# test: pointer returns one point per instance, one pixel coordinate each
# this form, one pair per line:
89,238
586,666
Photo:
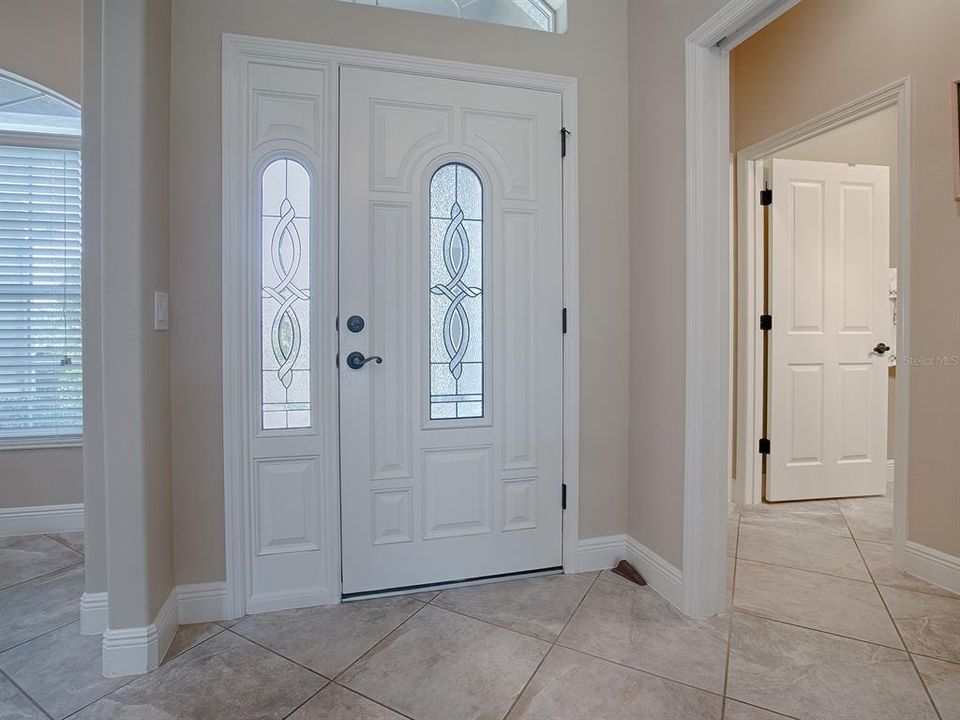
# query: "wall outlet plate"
161,311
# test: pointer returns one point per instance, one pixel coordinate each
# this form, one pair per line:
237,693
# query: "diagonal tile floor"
822,627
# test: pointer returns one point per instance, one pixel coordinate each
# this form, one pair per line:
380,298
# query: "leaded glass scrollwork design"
285,294
456,288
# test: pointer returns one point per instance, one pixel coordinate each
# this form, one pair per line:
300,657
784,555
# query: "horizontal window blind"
40,338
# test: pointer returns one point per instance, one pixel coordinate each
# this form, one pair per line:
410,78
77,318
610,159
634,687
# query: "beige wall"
658,29
869,141
42,40
134,209
29,31
594,50
40,477
823,54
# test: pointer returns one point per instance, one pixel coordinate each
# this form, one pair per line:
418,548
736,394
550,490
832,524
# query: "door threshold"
450,584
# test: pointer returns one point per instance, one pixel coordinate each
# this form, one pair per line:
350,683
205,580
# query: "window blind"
40,336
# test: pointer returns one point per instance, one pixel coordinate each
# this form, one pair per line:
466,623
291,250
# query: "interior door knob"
880,348
356,360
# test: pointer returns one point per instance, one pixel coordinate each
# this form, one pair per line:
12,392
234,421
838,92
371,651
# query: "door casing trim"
237,51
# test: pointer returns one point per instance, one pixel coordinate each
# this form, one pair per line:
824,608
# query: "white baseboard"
41,519
659,574
202,602
602,553
137,650
932,565
93,613
891,466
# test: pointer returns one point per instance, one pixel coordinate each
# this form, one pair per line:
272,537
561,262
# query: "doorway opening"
815,280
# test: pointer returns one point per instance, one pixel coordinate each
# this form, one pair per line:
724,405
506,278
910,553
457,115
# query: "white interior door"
827,373
451,272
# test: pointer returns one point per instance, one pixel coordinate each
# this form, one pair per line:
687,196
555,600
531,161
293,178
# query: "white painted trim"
93,613
707,278
892,469
197,603
932,565
202,602
138,650
662,576
238,50
751,262
41,519
603,553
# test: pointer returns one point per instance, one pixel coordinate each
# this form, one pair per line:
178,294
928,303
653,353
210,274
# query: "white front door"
450,330
829,254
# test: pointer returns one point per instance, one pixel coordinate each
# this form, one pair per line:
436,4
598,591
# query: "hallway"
823,627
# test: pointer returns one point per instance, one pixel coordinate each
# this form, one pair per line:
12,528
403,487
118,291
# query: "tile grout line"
27,695
46,575
134,678
808,570
377,643
297,708
553,644
733,587
750,613
921,590
58,540
376,702
37,637
896,627
269,650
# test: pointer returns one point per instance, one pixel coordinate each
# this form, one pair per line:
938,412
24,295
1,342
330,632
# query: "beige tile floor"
822,627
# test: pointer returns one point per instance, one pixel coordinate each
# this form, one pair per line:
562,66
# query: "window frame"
44,141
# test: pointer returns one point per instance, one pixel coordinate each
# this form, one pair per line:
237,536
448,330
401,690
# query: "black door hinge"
564,321
766,322
764,446
563,496
563,141
766,197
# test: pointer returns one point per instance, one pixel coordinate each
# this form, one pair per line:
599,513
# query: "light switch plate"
161,311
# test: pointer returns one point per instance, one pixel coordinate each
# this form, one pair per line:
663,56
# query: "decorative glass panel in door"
456,284
285,295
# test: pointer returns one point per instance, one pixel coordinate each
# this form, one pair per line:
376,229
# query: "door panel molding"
258,114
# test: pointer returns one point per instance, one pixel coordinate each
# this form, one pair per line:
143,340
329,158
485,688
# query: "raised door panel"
457,492
807,282
857,274
401,133
520,334
806,414
507,140
287,505
389,326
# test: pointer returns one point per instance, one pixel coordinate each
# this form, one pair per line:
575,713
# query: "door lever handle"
880,348
356,360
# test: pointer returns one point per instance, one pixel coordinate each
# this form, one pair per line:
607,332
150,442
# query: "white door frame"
708,328
238,52
748,488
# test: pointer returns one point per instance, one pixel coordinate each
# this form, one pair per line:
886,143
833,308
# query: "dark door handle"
356,360
880,348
